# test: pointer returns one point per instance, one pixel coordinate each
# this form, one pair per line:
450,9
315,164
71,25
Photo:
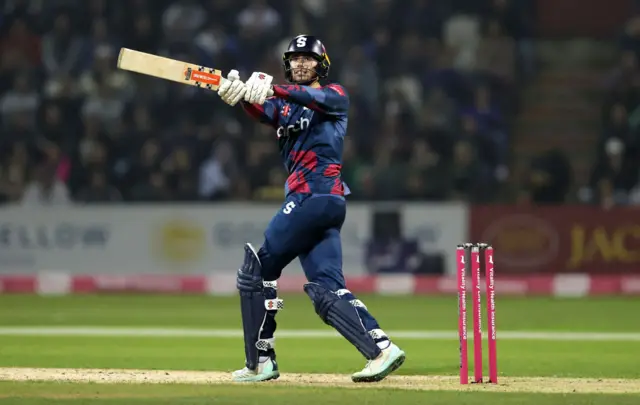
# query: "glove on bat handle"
235,75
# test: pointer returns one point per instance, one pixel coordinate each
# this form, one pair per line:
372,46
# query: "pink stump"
477,314
462,315
491,315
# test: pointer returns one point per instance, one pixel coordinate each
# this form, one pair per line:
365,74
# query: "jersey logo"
289,207
285,110
298,126
303,122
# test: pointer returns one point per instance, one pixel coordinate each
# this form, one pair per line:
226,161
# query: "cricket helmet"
308,45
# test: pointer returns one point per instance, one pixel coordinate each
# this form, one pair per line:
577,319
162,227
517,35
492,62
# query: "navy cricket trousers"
307,227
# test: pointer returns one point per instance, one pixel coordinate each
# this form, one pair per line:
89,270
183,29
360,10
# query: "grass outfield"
552,351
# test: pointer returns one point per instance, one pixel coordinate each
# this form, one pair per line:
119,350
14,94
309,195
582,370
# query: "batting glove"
258,88
232,88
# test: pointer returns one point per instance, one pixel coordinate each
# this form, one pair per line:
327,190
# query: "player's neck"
315,84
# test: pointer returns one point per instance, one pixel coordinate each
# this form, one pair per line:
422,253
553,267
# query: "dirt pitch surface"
448,383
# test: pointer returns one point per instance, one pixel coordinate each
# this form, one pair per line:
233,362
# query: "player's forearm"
315,99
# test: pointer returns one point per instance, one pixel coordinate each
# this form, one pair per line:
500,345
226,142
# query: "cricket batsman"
310,122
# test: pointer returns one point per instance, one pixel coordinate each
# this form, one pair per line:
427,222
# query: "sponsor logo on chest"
299,125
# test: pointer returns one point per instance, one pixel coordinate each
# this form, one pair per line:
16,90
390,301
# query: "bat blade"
169,69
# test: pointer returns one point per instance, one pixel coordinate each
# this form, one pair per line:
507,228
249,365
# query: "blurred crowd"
615,179
433,86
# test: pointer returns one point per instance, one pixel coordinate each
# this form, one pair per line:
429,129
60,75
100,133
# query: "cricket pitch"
421,383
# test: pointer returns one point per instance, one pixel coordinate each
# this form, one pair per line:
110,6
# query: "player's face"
303,68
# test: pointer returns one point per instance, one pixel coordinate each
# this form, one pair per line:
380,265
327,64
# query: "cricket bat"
170,69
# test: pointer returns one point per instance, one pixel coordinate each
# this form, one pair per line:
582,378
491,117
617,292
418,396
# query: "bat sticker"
201,77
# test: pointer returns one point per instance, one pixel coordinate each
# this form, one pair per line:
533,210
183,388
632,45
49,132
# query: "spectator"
182,19
512,15
623,73
617,126
46,189
147,162
143,36
630,40
471,178
61,48
216,173
258,17
103,104
354,168
360,76
548,179
98,190
101,42
22,44
614,176
496,54
13,173
151,190
22,99
428,174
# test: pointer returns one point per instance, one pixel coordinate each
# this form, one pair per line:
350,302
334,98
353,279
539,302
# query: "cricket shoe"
377,369
267,370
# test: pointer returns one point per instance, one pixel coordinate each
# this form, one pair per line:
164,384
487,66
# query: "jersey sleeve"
331,99
267,113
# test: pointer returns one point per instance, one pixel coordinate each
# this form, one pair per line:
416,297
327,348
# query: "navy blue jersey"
310,124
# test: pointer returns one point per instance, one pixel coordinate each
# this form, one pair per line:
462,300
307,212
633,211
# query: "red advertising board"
564,239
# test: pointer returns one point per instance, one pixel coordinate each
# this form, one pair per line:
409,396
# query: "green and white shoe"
386,363
267,370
